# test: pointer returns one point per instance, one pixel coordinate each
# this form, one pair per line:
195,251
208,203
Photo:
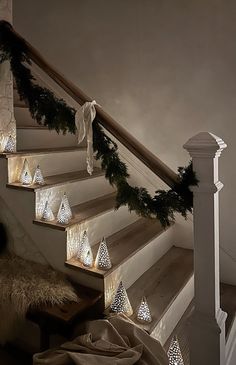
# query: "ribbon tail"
80,124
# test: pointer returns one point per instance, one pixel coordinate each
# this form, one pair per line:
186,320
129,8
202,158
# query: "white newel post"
7,120
207,325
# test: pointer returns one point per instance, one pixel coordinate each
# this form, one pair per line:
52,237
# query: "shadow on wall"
3,238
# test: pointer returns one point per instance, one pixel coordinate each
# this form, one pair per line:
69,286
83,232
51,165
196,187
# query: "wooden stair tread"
42,151
60,179
84,211
123,244
36,127
162,283
68,311
228,305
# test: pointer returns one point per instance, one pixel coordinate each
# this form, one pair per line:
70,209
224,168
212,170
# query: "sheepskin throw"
24,284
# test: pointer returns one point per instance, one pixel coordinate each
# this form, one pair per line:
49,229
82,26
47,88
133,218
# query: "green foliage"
54,113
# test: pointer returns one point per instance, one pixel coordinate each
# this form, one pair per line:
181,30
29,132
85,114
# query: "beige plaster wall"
165,69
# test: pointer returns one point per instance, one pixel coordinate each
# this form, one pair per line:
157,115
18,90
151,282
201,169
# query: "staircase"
142,253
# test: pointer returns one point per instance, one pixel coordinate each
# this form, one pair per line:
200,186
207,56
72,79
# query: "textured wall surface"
165,69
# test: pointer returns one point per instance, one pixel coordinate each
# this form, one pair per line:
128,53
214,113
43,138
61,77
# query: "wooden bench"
61,319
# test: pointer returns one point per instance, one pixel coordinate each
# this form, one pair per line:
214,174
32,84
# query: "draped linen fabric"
116,341
84,118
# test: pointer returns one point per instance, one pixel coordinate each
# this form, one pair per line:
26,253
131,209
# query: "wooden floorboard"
84,211
162,283
59,179
123,244
43,151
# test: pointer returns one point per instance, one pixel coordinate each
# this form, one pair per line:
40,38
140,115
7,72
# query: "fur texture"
25,284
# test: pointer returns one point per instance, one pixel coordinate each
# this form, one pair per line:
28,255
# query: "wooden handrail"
139,150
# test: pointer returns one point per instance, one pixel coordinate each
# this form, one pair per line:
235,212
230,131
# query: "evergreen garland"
50,111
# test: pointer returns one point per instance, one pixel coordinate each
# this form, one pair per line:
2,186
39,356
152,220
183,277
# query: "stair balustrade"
207,324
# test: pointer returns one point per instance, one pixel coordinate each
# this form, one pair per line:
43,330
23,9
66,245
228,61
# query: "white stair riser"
102,225
23,117
50,163
173,315
77,192
138,264
43,138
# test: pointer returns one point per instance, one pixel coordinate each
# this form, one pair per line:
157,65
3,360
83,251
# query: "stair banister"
120,133
207,325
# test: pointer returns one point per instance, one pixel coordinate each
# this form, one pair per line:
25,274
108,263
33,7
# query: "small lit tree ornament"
38,176
67,205
144,314
121,303
25,177
103,260
10,145
47,213
174,353
88,259
62,216
83,246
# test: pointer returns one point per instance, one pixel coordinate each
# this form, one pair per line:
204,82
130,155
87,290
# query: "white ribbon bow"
84,118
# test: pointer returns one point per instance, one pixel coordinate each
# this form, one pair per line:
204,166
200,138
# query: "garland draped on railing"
54,113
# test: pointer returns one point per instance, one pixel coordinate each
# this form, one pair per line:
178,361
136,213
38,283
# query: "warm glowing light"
47,213
64,214
121,303
25,178
144,314
88,259
174,353
38,176
103,261
10,145
84,246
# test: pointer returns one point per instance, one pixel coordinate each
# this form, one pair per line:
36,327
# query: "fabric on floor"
115,341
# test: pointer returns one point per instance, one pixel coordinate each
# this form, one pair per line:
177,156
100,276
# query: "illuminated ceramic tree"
38,176
121,303
88,259
64,214
47,213
25,177
144,314
103,260
84,246
67,205
174,353
10,145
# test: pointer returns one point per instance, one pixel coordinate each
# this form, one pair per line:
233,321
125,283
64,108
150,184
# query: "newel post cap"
205,144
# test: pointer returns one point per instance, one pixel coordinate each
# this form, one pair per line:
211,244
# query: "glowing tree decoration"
103,261
38,176
88,259
25,178
10,145
62,216
174,353
84,246
121,303
144,314
67,205
47,213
